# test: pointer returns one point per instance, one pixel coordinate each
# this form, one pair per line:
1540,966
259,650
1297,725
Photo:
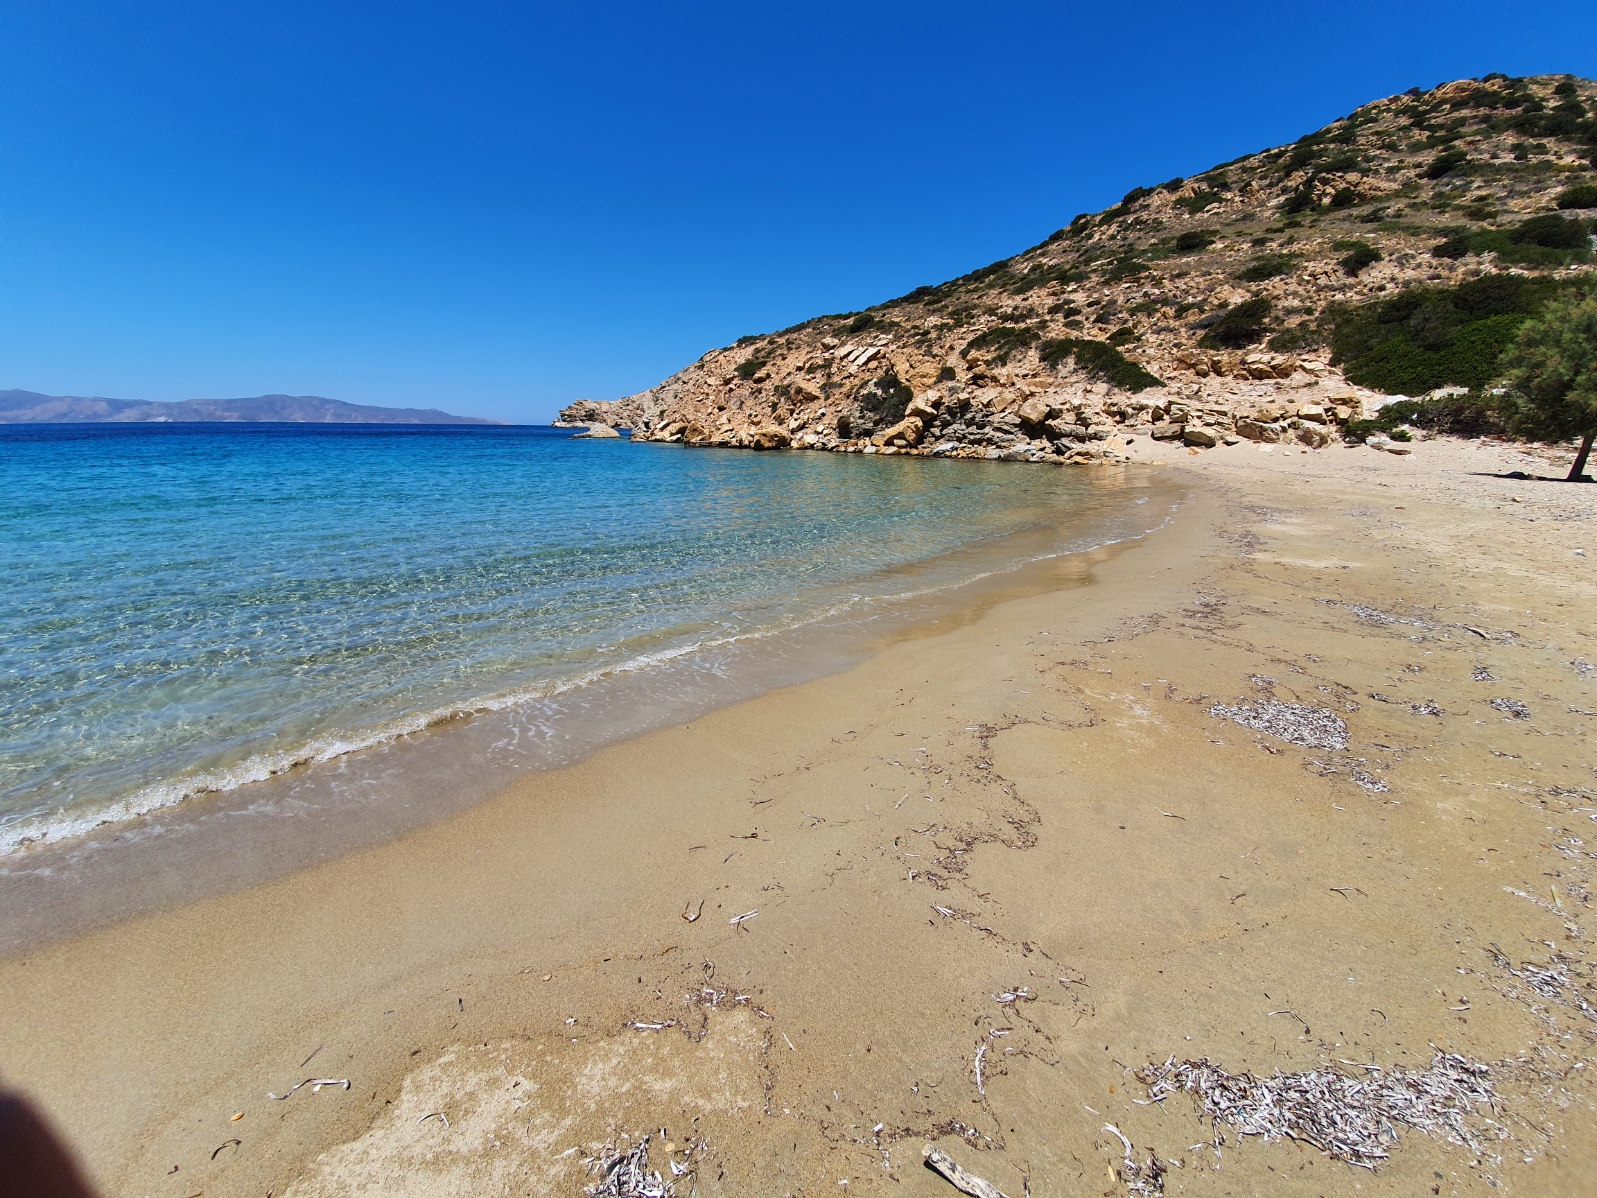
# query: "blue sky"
497,208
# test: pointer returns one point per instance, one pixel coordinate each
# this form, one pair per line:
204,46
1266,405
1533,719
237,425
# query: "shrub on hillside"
1267,266
882,400
1238,327
1194,240
1000,341
1356,255
1099,359
1551,232
1198,201
1429,337
1446,163
1582,195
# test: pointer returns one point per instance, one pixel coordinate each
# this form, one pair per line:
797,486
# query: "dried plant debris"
1558,981
1482,674
1147,1177
1512,707
624,1172
1374,616
1352,1117
1583,668
1295,723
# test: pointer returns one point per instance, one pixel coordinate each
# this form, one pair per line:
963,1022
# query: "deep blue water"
189,607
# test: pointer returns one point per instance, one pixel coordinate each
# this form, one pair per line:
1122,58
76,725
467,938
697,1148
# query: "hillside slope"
30,407
1269,298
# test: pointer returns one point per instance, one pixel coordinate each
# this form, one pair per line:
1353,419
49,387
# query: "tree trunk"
1579,468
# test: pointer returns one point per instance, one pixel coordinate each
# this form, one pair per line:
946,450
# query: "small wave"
33,831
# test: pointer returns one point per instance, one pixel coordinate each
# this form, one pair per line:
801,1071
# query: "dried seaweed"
1512,707
1353,1118
624,1169
1295,723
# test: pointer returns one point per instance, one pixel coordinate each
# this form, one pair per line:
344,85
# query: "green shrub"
946,375
749,367
1446,163
1429,337
1551,232
1582,195
1267,266
1344,197
1356,256
1301,200
1124,335
884,399
1064,309
1198,201
1100,360
1000,341
1237,327
860,323
1472,415
1298,337
1194,240
1127,266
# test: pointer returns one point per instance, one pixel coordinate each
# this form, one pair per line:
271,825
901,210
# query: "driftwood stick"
941,1162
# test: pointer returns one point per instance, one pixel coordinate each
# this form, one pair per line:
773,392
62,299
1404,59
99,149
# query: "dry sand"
1037,799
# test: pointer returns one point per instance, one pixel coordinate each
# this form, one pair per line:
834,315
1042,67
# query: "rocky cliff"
1195,311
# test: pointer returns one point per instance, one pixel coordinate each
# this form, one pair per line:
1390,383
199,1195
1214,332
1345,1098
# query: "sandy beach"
959,894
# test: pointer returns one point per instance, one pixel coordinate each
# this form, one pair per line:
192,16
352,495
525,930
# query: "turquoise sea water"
189,608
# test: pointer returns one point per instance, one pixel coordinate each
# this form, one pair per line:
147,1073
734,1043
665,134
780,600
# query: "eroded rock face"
1193,312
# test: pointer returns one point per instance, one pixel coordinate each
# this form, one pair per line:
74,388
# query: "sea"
371,626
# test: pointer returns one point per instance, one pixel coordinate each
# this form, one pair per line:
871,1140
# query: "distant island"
30,407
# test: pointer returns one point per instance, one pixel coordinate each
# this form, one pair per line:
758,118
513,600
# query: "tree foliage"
1550,372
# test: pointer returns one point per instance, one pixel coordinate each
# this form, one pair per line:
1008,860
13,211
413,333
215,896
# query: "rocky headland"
1276,298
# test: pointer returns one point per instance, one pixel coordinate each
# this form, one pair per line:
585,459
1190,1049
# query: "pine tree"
1551,375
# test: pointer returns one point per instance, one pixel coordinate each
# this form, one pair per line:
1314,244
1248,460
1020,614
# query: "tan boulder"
769,437
1035,411
908,431
923,408
1203,438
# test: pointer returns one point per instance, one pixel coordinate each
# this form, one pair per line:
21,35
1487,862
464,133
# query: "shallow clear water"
188,608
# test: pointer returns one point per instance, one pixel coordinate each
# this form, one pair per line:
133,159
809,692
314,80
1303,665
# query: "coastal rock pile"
1198,312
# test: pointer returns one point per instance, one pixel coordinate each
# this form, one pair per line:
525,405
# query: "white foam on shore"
31,831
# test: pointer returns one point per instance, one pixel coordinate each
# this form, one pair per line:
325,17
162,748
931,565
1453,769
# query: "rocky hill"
1272,298
31,407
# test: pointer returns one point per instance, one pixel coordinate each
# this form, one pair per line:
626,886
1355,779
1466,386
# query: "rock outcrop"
1198,312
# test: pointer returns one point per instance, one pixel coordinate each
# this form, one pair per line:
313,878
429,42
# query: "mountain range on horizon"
32,407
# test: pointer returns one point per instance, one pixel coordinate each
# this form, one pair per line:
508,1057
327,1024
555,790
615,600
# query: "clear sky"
495,208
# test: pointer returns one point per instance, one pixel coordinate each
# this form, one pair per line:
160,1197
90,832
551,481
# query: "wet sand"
1038,799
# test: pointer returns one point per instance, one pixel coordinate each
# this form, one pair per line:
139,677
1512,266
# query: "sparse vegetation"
1446,163
998,342
1582,195
1195,240
1199,201
1238,327
1100,360
1267,266
1356,255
